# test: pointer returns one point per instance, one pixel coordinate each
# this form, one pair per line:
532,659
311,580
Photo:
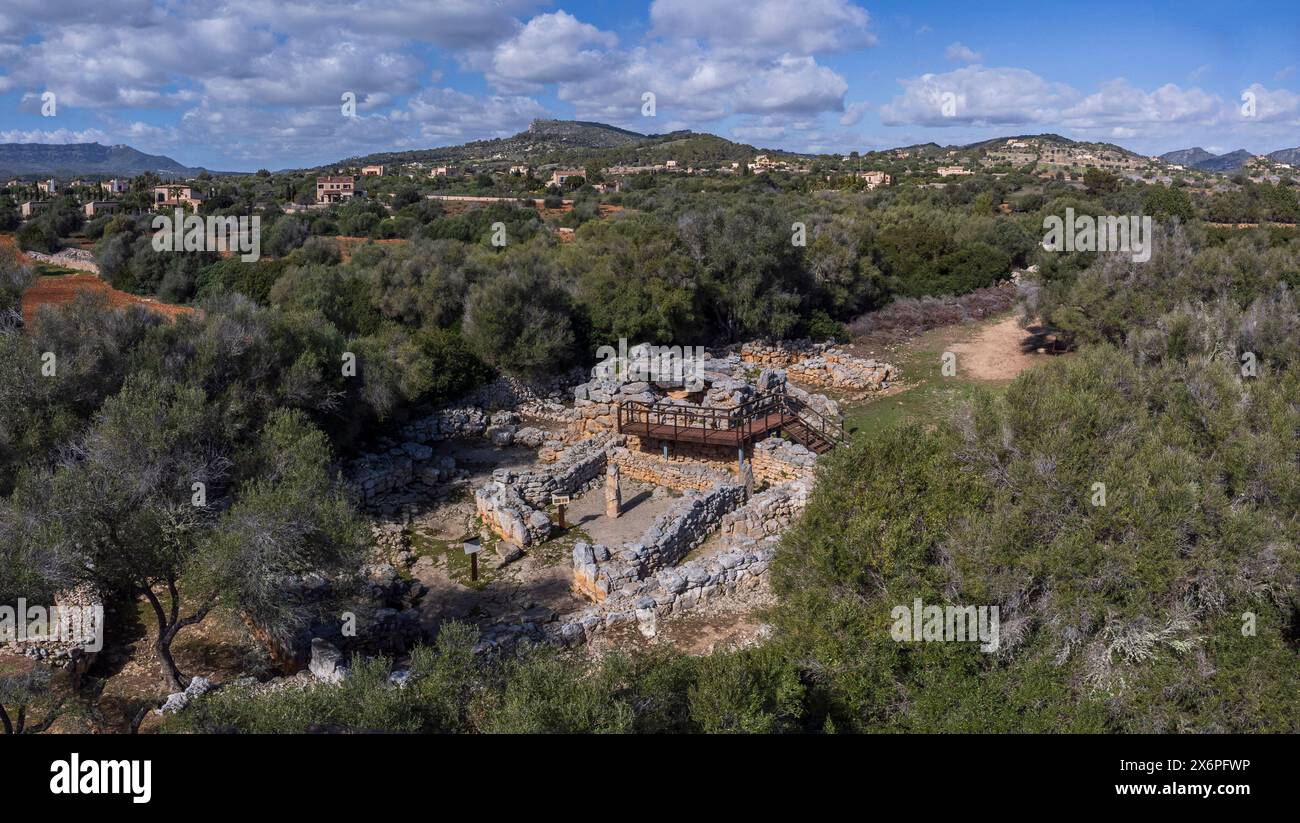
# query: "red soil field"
56,291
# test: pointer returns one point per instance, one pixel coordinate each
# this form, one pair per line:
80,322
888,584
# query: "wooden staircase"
806,436
810,428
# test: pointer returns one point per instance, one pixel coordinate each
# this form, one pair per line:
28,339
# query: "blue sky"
243,84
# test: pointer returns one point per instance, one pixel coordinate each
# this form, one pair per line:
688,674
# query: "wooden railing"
728,425
708,424
830,430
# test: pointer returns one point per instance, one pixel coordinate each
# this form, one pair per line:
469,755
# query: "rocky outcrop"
176,701
327,663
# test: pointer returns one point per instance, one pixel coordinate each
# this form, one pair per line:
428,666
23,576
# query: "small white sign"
473,546
560,499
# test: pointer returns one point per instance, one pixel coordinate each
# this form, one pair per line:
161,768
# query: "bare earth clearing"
996,352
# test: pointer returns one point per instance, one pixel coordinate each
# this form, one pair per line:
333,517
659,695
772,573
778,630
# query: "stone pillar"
613,492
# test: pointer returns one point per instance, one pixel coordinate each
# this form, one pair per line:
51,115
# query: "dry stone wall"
741,568
681,473
545,399
78,259
571,473
412,461
511,504
819,364
82,615
597,571
778,461
768,513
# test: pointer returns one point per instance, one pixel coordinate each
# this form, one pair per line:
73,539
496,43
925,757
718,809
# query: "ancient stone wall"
596,404
818,364
506,513
375,475
742,567
412,461
671,536
544,399
768,513
512,503
677,472
778,461
576,467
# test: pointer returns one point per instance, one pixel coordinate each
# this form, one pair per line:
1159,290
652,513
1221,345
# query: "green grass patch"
928,396
450,554
50,270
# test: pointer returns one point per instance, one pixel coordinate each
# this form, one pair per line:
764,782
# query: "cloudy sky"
251,83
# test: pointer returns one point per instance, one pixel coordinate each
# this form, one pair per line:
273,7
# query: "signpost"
560,501
472,548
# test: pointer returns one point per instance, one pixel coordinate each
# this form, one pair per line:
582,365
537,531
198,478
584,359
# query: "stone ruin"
821,365
725,382
740,503
63,645
644,579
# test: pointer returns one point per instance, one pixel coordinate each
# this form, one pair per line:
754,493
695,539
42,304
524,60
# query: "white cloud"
982,96
792,84
1273,106
1119,103
773,27
552,48
447,113
59,136
853,113
960,52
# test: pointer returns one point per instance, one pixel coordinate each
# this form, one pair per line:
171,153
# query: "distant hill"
1288,156
1202,160
1226,162
999,142
85,160
544,141
1187,158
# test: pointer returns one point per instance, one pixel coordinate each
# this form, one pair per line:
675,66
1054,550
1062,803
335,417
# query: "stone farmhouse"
560,176
335,189
171,195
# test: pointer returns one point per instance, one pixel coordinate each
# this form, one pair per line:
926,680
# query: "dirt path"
996,352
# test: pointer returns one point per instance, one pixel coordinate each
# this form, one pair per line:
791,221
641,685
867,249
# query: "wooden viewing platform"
711,426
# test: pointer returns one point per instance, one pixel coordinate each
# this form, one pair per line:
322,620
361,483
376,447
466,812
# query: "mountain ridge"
544,141
86,159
